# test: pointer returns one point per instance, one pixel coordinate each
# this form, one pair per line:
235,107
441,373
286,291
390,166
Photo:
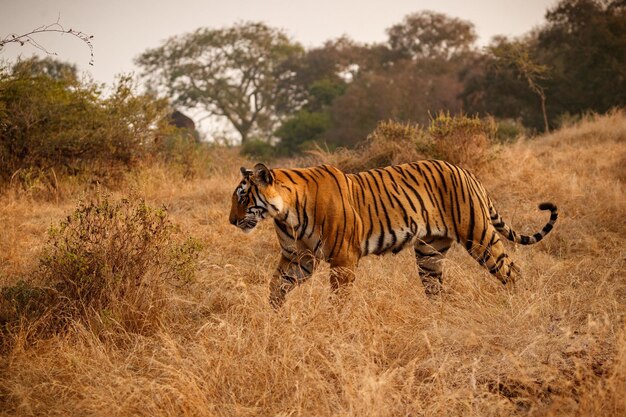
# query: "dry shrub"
462,140
185,155
108,265
393,143
390,143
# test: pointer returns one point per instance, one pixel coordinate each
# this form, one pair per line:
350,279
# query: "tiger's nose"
232,220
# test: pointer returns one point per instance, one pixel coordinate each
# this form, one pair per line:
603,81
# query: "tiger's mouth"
247,225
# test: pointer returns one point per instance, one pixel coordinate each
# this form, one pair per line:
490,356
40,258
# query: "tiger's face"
254,199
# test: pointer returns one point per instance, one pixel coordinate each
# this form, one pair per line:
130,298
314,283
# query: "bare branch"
56,27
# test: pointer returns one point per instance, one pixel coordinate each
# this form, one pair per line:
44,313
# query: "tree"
584,42
405,92
49,67
517,55
239,73
415,73
429,34
495,86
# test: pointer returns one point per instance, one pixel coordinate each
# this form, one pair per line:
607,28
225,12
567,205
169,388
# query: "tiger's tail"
506,231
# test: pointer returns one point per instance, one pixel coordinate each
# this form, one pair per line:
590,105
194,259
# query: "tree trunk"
244,136
545,113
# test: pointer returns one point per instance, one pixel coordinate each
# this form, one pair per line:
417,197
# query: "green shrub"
258,149
507,130
60,123
303,129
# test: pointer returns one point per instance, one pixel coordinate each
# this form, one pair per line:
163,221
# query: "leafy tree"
517,55
240,73
310,123
495,86
405,92
429,34
50,67
582,44
584,41
415,73
321,75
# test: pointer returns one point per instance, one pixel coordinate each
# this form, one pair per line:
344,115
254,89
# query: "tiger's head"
255,198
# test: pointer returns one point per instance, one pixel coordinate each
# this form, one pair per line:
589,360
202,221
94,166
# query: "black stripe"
455,201
369,231
315,204
470,233
382,183
432,197
381,238
308,271
301,175
283,228
288,176
343,205
305,219
374,194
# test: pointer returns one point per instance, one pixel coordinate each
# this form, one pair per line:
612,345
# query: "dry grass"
553,346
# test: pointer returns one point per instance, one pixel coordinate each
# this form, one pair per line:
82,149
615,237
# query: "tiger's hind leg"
429,255
492,255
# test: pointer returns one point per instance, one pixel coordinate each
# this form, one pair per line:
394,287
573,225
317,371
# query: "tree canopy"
430,34
270,88
239,73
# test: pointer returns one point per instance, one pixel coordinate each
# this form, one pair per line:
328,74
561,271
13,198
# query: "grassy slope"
553,345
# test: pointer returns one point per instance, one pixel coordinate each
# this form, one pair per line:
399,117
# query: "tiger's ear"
262,175
245,172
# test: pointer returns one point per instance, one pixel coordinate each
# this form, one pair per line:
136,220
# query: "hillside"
554,345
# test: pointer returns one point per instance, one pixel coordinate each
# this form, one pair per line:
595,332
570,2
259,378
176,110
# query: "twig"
56,27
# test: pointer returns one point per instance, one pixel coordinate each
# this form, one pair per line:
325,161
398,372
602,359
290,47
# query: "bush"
389,144
107,265
302,131
67,126
258,149
458,139
507,130
461,139
181,150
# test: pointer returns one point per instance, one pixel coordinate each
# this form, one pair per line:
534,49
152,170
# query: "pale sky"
123,29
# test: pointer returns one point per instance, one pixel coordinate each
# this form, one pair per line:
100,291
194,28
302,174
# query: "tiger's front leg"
289,274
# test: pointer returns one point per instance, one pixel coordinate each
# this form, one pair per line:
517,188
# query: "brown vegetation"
553,345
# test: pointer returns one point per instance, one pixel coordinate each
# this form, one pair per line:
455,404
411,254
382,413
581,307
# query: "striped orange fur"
322,213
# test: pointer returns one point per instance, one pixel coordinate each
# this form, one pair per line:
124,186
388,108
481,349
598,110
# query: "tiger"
323,214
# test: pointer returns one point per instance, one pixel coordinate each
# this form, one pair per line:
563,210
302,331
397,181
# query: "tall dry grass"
555,345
